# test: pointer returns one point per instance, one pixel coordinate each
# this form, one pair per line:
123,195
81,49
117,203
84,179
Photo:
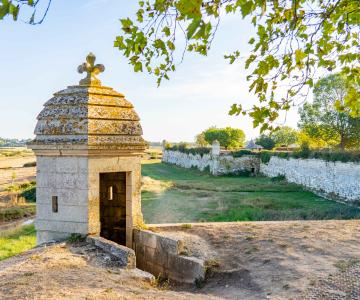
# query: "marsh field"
171,194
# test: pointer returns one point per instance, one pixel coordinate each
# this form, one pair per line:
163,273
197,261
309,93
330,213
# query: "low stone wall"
216,164
334,179
161,256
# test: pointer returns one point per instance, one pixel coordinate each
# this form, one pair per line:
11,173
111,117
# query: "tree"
285,136
265,141
294,39
304,138
12,8
200,140
230,138
328,117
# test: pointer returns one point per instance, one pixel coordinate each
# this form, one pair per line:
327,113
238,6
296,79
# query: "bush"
200,150
266,142
305,152
242,153
265,156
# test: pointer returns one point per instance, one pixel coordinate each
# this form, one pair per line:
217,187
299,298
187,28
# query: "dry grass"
74,272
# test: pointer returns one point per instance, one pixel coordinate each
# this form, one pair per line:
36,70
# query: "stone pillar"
215,148
163,145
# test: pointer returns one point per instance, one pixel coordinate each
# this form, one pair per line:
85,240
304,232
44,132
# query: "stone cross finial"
92,70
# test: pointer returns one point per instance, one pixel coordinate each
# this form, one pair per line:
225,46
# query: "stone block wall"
217,164
331,179
75,181
66,178
161,256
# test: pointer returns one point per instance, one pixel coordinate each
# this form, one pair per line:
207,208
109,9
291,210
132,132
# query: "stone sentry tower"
88,147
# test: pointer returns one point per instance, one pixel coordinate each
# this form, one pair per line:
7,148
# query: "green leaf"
192,28
166,30
138,67
246,8
170,45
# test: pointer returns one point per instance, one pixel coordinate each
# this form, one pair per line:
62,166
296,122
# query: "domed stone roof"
89,116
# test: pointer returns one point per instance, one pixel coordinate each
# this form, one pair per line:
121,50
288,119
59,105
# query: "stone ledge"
125,255
161,256
157,241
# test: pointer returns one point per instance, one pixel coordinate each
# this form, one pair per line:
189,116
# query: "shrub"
201,150
265,156
242,153
265,141
305,152
75,238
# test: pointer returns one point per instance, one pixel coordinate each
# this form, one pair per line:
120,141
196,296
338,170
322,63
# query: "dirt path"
271,260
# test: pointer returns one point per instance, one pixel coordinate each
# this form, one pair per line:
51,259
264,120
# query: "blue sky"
37,61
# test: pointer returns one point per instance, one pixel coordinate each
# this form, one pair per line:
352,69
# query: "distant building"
253,146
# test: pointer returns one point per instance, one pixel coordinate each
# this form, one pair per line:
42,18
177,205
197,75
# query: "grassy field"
17,240
174,194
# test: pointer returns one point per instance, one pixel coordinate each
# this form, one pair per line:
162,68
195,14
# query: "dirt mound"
273,260
76,272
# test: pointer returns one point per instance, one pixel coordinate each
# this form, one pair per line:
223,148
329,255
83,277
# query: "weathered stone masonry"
329,178
83,132
216,164
164,256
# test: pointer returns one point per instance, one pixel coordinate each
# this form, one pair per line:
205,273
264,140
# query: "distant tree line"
327,122
228,137
13,142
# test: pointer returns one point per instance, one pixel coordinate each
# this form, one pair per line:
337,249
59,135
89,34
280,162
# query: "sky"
37,61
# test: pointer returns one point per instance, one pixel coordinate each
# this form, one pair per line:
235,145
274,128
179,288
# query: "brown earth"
271,260
252,260
76,272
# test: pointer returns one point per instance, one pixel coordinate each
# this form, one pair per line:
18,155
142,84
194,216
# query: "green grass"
17,240
200,197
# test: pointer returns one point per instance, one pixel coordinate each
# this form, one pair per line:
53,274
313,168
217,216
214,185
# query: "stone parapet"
162,256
